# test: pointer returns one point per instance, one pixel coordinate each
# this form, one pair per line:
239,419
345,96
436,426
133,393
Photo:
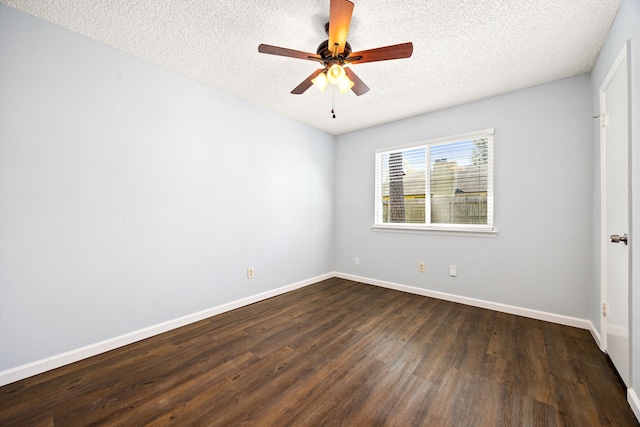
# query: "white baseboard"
634,402
24,371
53,362
596,335
503,308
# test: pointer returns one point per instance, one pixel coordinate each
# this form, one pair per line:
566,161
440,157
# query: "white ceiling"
464,50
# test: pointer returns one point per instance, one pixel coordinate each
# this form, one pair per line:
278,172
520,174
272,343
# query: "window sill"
445,231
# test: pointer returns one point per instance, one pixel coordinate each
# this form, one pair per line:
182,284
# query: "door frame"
604,238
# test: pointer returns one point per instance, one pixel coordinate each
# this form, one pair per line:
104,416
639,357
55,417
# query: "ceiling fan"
335,53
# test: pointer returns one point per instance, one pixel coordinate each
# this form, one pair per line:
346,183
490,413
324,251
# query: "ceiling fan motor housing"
326,53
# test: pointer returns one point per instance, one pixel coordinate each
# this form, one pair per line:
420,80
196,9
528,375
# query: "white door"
615,214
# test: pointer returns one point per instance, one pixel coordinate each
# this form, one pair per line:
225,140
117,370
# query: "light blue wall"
540,258
626,27
130,195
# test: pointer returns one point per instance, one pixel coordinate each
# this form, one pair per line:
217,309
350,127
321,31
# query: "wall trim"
30,369
634,402
503,308
34,368
596,335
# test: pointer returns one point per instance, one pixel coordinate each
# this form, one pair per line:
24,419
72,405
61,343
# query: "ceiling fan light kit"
335,53
335,74
345,84
320,81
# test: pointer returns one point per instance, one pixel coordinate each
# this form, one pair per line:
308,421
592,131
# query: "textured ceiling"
464,50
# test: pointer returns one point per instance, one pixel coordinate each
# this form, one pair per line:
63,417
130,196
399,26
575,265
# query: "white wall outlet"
356,261
250,273
421,266
453,270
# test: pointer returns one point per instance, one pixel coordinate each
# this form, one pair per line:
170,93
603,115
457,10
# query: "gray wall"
540,258
130,195
625,27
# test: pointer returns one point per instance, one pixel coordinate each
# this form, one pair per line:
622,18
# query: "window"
438,185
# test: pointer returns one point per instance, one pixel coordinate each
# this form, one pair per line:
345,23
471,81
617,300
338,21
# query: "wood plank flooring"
337,353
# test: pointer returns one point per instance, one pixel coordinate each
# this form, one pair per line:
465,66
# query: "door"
615,214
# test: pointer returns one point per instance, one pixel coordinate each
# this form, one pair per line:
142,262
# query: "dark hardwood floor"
336,353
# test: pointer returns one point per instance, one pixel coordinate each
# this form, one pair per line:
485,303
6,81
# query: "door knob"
615,238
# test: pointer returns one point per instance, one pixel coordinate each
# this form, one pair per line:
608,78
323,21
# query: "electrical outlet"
357,261
421,266
250,273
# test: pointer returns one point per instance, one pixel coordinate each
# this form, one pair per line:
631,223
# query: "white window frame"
482,230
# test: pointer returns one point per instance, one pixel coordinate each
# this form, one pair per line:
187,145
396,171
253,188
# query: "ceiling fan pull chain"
333,102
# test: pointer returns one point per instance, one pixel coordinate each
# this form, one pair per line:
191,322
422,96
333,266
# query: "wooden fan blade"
396,51
306,83
340,12
359,88
290,53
